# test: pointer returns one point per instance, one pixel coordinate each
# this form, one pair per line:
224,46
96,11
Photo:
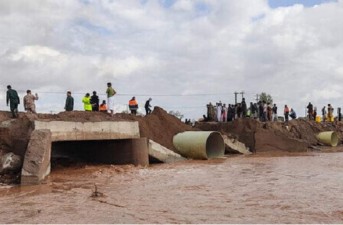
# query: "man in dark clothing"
95,102
244,108
147,106
12,98
310,111
69,106
274,112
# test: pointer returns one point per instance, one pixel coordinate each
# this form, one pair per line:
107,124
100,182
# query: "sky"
181,53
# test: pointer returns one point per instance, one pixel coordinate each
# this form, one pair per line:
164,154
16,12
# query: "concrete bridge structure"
110,142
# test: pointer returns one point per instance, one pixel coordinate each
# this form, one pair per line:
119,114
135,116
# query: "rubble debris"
235,146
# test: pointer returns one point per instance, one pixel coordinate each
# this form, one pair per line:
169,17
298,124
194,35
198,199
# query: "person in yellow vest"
133,105
103,106
87,102
330,113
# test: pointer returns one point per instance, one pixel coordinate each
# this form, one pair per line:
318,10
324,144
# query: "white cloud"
192,47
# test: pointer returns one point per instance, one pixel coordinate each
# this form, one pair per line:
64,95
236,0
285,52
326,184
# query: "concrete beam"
163,154
105,130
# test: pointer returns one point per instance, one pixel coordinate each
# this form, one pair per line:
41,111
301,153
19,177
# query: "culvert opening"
80,153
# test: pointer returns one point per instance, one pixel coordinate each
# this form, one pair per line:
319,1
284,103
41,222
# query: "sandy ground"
303,188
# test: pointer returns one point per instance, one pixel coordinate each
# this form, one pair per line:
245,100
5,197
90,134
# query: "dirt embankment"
158,126
296,136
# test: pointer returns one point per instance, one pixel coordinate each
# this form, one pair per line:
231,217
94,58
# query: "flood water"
239,189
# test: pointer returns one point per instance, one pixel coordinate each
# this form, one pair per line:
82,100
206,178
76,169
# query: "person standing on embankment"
110,97
12,98
69,106
29,102
87,102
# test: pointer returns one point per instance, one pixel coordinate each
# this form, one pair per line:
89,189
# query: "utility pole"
242,93
236,93
257,97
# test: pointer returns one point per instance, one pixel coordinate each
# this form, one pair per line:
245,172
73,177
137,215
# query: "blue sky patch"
306,3
167,3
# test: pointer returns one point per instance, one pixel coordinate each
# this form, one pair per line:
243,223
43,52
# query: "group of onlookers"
263,111
90,103
133,106
12,98
222,113
327,113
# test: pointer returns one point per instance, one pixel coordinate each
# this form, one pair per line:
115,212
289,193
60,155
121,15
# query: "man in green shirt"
12,98
110,97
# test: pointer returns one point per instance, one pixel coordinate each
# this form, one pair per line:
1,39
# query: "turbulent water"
241,189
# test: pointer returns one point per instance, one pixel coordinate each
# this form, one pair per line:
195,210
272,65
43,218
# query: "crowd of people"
263,111
327,113
90,103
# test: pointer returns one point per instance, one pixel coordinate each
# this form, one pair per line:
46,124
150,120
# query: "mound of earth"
295,136
158,126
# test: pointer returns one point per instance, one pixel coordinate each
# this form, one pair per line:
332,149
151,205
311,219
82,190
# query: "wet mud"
297,188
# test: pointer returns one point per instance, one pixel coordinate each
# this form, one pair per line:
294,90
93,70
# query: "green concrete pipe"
328,137
199,144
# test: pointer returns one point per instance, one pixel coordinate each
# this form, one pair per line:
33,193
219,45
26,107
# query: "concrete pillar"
37,158
163,154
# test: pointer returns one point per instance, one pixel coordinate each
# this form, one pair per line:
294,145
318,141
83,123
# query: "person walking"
133,105
13,99
69,106
95,102
87,102
29,102
147,106
110,97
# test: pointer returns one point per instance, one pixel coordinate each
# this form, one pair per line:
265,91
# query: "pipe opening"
215,145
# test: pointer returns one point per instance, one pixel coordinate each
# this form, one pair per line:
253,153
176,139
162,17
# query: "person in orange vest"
133,105
103,106
286,113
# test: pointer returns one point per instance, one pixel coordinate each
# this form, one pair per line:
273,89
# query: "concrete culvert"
121,151
328,137
199,144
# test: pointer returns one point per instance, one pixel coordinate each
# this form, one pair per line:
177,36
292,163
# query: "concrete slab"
163,154
236,145
37,158
105,130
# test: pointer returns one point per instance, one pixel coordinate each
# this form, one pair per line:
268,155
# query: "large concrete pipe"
328,138
199,144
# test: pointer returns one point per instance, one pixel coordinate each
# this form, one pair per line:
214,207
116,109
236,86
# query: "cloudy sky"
182,53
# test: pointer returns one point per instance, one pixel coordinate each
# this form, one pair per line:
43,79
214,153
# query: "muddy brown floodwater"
303,188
